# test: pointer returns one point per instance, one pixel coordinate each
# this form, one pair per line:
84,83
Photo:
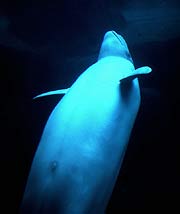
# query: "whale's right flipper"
61,91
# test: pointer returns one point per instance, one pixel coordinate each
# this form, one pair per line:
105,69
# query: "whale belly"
81,150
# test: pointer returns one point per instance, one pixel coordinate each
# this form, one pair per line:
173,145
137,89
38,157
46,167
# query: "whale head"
114,45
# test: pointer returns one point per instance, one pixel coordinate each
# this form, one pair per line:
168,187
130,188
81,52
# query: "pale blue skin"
84,141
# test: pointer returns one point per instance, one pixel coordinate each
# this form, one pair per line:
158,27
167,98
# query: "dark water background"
45,45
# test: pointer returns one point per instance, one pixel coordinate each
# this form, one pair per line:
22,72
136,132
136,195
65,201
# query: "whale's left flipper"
62,91
136,73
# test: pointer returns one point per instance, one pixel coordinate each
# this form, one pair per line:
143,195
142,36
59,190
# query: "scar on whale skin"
53,166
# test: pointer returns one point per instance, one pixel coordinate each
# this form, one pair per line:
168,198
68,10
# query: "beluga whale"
82,146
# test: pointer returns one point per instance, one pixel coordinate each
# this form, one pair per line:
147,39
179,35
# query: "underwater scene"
90,106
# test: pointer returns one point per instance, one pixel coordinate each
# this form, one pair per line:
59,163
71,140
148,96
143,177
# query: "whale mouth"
115,34
120,39
123,43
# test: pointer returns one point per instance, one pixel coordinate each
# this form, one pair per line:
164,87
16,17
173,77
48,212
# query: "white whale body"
85,138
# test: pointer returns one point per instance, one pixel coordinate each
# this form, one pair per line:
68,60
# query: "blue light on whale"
85,138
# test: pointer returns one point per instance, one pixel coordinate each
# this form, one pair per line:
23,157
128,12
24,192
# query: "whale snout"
113,37
114,45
